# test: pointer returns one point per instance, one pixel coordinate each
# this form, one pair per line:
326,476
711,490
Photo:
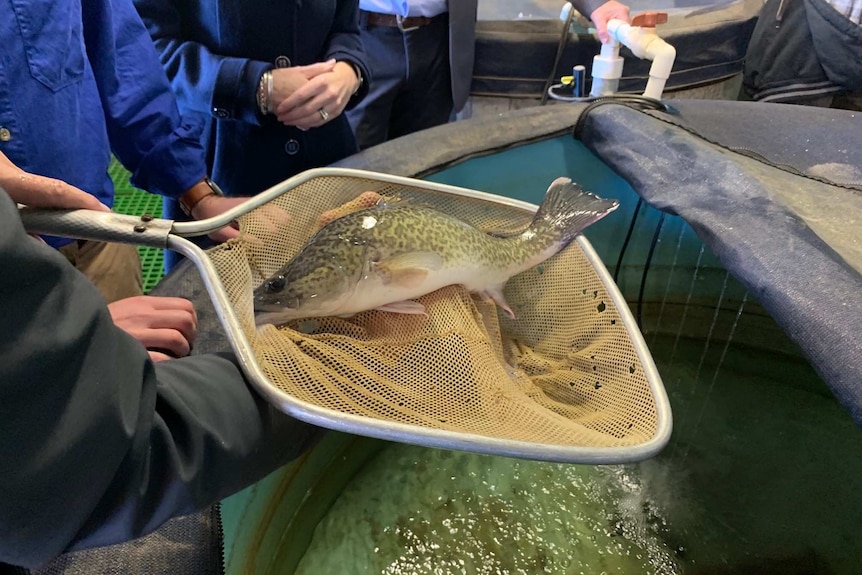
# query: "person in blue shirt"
268,80
78,81
421,57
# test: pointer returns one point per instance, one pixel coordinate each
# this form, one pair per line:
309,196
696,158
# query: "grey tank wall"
515,57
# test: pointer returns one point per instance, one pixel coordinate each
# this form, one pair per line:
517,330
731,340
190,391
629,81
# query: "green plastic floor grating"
134,202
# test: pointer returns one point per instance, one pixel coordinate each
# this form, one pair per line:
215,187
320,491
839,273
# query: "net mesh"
563,372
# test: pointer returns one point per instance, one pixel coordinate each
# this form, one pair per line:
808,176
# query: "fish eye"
276,284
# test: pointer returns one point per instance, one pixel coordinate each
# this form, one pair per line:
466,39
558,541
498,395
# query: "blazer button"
221,113
282,62
291,147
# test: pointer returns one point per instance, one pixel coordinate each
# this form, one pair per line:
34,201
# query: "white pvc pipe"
645,43
607,70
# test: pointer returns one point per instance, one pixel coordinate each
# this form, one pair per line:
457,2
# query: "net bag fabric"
563,372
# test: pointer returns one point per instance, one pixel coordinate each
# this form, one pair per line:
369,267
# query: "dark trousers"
410,87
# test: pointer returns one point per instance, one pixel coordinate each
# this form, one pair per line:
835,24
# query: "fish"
384,257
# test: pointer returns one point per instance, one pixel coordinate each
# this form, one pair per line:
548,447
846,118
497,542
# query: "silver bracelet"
264,93
268,76
260,94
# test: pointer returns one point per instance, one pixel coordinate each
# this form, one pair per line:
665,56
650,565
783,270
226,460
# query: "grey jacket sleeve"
98,444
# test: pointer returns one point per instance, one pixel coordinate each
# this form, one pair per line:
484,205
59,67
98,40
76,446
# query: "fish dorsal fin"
408,269
393,201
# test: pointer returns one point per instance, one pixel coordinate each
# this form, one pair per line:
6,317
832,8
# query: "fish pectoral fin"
495,294
408,270
407,306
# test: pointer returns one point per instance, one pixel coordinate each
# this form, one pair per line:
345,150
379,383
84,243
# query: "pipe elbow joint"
662,55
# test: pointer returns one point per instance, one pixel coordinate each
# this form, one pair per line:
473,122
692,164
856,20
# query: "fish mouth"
273,317
261,307
275,313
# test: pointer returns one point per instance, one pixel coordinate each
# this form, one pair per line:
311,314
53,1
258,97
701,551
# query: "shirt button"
5,135
291,147
282,62
221,113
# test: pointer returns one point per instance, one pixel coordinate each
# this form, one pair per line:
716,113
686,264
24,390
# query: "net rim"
404,432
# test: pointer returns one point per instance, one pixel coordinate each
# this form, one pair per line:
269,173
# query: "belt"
403,24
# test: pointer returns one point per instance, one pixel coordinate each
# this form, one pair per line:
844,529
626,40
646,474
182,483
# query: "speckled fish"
386,256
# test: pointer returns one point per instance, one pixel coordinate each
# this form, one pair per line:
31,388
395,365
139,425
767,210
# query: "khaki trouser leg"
115,269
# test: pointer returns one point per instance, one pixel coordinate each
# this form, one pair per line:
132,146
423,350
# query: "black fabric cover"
790,238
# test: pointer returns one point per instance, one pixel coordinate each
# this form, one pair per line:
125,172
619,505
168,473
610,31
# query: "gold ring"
323,114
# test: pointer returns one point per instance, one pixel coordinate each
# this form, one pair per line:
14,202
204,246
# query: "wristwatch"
358,71
197,193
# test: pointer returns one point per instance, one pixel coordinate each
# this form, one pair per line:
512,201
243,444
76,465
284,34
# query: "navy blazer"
215,51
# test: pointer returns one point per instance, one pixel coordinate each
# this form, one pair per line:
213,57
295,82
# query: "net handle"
154,232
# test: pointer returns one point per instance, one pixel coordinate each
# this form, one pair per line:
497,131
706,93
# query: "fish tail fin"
568,208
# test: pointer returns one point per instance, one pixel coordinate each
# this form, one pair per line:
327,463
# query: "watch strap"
196,193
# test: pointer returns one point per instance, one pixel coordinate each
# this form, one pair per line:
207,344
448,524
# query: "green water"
762,475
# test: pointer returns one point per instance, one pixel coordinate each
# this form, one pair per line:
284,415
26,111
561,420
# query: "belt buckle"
399,21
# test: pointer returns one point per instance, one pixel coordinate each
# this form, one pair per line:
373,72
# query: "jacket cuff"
173,165
366,76
235,93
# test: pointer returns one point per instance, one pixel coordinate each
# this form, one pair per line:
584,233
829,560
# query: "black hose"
561,45
630,100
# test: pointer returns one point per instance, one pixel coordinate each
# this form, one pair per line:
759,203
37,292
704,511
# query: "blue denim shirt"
79,80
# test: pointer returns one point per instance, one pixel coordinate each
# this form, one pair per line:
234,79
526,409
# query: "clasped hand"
301,92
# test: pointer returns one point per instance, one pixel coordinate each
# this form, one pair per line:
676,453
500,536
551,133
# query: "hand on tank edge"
166,326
